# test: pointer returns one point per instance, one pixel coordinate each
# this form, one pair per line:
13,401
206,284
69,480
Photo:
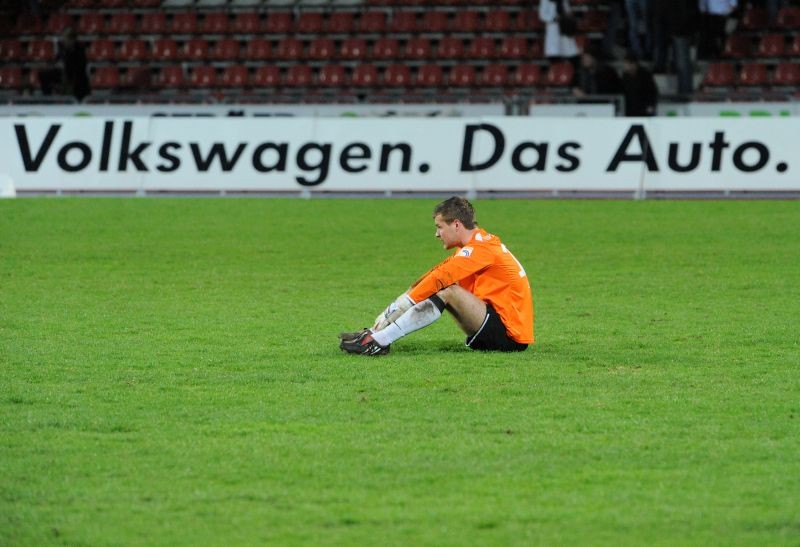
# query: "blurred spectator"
639,88
639,20
773,7
595,77
71,78
715,14
615,21
558,42
674,29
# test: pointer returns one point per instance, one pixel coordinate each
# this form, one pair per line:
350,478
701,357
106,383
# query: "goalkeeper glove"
392,312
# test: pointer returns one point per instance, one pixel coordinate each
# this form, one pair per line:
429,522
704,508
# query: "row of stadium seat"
742,46
284,22
751,74
364,76
287,49
126,4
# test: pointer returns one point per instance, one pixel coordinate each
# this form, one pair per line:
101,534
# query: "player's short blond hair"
456,208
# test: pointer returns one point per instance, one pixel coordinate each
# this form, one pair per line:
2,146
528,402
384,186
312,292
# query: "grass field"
170,375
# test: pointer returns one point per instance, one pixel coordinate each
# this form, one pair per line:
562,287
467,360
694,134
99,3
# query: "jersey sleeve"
467,261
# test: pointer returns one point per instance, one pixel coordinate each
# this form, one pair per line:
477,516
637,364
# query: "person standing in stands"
595,77
715,14
639,88
559,30
72,55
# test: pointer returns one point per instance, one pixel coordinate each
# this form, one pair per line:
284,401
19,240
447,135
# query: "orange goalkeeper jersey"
487,269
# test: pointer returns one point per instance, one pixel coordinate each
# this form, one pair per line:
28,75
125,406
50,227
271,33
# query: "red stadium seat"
40,51
184,23
353,49
771,45
299,76
753,74
309,22
434,21
340,22
497,21
331,75
403,22
719,75
736,46
450,47
27,24
465,21
225,50
153,22
495,75
279,22
10,50
267,76
10,77
171,77
58,22
396,75
101,50
417,48
385,49
786,74
214,23
559,74
203,77
289,49
365,75
429,76
753,18
527,75
481,47
146,4
788,18
235,76
136,77
794,47
372,22
514,47
195,49
122,23
462,76
165,49
91,23
321,49
105,77
133,50
593,21
528,21
258,49
246,23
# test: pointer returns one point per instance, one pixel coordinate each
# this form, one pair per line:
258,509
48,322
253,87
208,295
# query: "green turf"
169,374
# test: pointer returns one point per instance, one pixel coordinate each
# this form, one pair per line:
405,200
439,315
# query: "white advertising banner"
399,154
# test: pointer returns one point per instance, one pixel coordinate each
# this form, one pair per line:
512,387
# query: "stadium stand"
395,46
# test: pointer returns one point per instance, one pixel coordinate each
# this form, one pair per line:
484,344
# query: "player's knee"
446,294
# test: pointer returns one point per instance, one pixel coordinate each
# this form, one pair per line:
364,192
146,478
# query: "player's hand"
392,312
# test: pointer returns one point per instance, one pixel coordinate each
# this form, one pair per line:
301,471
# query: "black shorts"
492,335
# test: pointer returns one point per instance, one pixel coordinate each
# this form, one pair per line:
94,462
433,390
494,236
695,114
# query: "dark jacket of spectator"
639,88
72,54
594,77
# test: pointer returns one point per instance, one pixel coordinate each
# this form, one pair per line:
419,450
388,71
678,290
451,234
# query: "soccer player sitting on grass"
481,284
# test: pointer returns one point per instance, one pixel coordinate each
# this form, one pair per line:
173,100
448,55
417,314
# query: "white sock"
418,316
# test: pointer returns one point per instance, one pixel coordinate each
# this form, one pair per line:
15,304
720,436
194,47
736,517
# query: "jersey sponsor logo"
465,252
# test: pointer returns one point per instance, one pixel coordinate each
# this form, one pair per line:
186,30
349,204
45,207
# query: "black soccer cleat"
350,336
364,344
